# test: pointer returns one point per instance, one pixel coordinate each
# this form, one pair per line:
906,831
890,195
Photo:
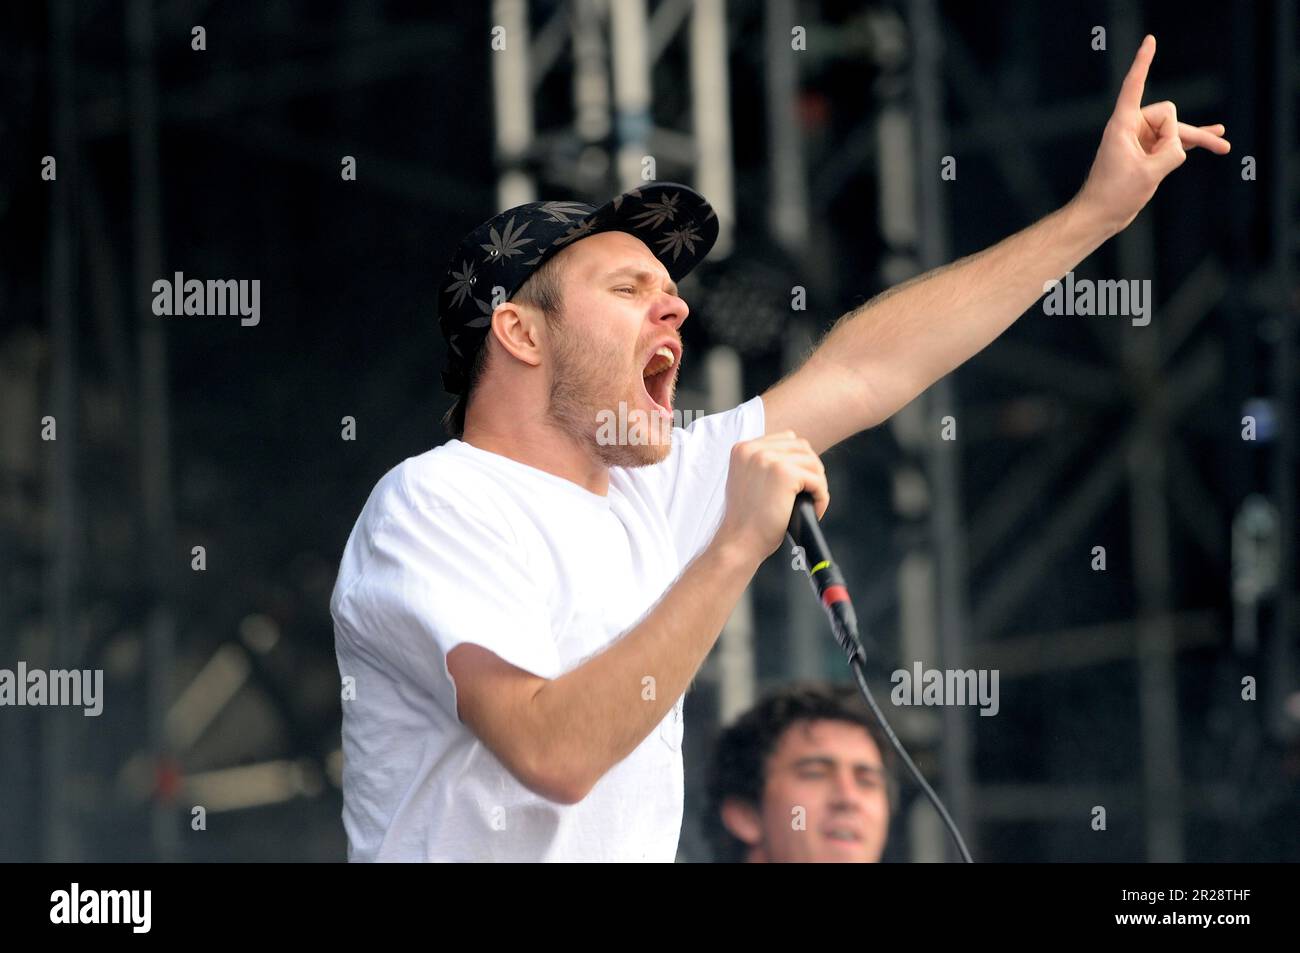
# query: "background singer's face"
832,770
599,347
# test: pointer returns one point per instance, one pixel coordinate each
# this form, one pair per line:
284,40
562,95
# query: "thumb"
1168,152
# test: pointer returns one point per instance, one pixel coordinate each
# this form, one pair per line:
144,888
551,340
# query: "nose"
846,791
671,309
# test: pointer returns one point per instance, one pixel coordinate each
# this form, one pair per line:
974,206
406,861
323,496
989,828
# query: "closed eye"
633,290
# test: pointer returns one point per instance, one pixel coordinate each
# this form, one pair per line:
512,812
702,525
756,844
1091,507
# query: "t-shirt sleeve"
695,473
435,577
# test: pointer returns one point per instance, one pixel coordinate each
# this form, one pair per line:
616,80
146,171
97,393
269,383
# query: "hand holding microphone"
766,475
776,488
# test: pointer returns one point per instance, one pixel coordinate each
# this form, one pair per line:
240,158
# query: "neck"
535,441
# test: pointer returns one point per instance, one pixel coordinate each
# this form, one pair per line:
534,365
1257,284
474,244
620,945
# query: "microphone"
827,580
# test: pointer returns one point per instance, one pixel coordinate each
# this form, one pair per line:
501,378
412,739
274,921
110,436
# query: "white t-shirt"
462,545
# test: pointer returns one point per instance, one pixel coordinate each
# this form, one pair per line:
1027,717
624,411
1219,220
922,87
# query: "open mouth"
658,379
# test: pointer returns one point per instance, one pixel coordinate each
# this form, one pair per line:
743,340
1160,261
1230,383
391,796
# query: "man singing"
518,613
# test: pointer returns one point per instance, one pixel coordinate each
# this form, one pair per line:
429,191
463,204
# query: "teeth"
662,360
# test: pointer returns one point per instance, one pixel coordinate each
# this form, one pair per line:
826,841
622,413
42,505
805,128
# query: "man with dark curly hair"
804,776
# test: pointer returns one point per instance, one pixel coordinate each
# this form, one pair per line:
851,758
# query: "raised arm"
880,356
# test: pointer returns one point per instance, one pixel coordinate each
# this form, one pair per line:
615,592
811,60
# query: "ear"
516,330
742,820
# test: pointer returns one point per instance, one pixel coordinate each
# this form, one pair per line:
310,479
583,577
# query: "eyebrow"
644,277
822,760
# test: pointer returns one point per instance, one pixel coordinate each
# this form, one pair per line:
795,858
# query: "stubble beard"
590,380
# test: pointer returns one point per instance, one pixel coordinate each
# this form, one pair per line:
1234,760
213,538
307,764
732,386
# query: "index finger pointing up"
1130,94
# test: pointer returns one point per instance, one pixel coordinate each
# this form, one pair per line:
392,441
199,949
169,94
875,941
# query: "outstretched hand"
1140,146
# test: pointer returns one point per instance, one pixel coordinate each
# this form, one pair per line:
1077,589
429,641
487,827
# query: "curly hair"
739,766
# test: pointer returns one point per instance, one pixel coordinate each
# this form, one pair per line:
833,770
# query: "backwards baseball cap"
674,221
